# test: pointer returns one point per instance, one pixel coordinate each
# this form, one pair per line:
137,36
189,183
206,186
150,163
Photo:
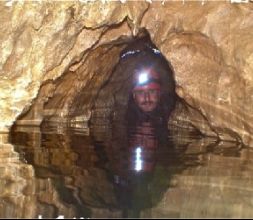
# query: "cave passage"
124,109
99,90
90,149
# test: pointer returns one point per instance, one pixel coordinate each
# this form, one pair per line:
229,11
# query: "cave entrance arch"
115,96
94,91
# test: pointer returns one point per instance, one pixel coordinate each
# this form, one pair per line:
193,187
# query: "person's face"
146,98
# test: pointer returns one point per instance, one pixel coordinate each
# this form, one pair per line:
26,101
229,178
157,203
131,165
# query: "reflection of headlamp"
142,146
138,159
141,159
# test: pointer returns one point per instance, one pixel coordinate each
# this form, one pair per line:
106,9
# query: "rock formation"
57,56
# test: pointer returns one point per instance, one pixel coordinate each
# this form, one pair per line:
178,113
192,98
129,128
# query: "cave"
94,94
65,93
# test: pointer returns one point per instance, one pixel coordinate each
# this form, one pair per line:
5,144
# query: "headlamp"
146,78
143,78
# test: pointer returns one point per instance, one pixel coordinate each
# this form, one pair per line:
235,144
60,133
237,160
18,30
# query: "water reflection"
141,177
139,172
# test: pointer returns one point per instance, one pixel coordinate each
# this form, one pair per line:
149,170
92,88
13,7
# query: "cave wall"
47,45
41,40
205,49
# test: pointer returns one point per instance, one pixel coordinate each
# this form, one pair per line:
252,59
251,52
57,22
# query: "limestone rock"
44,44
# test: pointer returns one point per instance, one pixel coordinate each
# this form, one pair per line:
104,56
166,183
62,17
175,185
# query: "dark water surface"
69,172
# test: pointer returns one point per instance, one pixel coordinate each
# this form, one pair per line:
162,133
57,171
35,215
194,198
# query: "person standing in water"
152,93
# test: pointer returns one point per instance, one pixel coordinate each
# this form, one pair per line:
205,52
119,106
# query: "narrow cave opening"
141,86
102,93
98,90
97,94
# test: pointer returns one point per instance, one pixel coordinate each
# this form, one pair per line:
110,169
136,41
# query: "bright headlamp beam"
138,159
142,78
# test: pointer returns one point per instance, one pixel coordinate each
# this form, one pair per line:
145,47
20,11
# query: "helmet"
146,78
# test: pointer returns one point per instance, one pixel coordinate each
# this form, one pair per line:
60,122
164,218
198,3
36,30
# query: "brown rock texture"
65,49
22,195
65,163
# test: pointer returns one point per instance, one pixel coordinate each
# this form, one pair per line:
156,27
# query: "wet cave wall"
58,60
